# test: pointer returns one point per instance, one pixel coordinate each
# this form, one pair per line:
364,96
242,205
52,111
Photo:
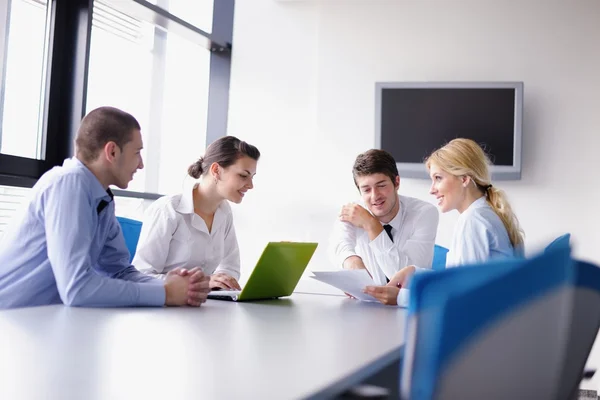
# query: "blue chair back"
584,323
508,328
131,232
439,258
560,242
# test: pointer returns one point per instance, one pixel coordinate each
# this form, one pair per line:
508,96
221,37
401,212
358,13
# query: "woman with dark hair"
195,228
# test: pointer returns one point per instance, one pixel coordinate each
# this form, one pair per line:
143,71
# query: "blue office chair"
131,231
439,258
584,323
511,328
560,242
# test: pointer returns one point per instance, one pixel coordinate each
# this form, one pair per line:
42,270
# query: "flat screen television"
412,119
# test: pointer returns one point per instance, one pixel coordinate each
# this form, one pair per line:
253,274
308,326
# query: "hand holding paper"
352,282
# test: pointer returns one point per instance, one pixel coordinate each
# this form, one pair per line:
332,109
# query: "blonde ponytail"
499,203
464,157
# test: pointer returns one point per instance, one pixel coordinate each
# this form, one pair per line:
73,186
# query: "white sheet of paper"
350,281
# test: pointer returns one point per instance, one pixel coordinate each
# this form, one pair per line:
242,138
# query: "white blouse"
173,236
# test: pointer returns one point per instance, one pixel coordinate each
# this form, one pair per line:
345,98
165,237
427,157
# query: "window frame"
68,53
4,13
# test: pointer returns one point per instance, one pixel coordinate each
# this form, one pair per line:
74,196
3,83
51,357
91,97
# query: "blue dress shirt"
68,248
479,235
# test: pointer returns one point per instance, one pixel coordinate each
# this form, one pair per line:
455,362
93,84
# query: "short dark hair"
375,161
225,151
100,126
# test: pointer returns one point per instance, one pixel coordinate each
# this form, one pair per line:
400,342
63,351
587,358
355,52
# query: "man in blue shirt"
69,247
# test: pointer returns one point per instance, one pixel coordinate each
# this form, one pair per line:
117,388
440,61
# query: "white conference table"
304,346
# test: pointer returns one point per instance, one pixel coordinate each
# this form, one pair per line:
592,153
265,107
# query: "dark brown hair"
225,151
375,161
100,126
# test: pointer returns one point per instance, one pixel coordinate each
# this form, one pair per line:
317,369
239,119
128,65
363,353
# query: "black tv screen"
414,119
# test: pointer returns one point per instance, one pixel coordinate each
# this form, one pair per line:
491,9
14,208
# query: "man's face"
380,195
128,160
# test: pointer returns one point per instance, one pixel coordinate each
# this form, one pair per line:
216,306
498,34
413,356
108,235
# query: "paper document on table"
352,282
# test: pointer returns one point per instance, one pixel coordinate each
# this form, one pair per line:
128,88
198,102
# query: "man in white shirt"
386,231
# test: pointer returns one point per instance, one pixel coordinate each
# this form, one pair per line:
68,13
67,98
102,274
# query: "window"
197,12
130,207
156,59
12,200
161,79
23,44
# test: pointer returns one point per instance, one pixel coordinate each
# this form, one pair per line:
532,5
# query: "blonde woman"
486,228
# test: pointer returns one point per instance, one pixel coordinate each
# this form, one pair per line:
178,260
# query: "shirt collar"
97,190
186,204
479,203
397,220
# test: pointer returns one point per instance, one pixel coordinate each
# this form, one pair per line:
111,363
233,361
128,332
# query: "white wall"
302,90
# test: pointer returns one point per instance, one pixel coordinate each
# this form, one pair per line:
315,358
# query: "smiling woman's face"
447,189
236,179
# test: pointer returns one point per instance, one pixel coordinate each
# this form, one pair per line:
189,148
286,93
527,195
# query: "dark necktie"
103,203
388,230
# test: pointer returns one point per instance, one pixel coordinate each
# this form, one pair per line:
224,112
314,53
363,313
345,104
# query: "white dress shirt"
173,236
413,229
479,235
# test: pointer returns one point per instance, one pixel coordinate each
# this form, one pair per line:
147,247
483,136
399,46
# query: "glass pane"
161,79
12,201
23,41
196,12
129,207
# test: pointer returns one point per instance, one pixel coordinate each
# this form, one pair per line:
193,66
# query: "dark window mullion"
220,71
67,80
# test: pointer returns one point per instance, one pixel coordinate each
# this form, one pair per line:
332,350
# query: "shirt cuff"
152,294
382,243
404,294
403,297
344,256
231,272
154,274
